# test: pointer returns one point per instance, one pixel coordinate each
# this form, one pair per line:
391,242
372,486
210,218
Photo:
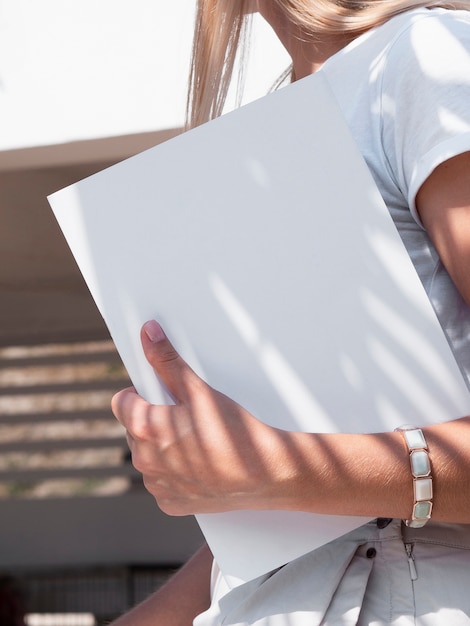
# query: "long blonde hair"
222,31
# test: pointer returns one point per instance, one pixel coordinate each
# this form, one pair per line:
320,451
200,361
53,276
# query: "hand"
204,454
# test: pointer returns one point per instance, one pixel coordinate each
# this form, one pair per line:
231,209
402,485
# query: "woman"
401,75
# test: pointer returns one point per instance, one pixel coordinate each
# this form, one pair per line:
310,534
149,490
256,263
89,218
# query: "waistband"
453,535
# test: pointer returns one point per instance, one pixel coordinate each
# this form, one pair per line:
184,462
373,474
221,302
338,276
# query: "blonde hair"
222,32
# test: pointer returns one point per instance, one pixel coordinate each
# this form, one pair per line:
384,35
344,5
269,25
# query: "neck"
308,57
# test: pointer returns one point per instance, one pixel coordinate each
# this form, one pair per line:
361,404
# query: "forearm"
369,475
207,454
179,601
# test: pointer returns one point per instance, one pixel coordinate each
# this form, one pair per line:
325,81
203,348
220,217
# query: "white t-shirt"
404,89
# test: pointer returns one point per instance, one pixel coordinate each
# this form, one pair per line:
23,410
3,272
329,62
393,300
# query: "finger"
140,419
172,370
130,409
121,402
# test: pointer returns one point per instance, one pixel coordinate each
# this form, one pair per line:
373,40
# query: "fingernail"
154,331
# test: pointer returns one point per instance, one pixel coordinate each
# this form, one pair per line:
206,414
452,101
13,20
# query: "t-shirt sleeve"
426,98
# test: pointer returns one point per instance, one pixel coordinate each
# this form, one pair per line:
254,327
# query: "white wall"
82,69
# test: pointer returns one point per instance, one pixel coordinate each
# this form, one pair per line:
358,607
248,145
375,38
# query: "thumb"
172,370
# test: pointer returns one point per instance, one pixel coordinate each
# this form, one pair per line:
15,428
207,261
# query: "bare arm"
178,602
207,454
443,203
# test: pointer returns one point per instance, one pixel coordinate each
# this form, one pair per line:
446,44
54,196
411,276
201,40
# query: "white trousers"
372,576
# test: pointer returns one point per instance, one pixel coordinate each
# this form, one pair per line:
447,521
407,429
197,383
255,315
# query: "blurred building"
82,86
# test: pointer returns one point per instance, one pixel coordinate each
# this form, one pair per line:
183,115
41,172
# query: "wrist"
365,475
299,472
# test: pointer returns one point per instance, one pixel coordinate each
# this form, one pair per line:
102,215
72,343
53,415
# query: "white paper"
262,245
